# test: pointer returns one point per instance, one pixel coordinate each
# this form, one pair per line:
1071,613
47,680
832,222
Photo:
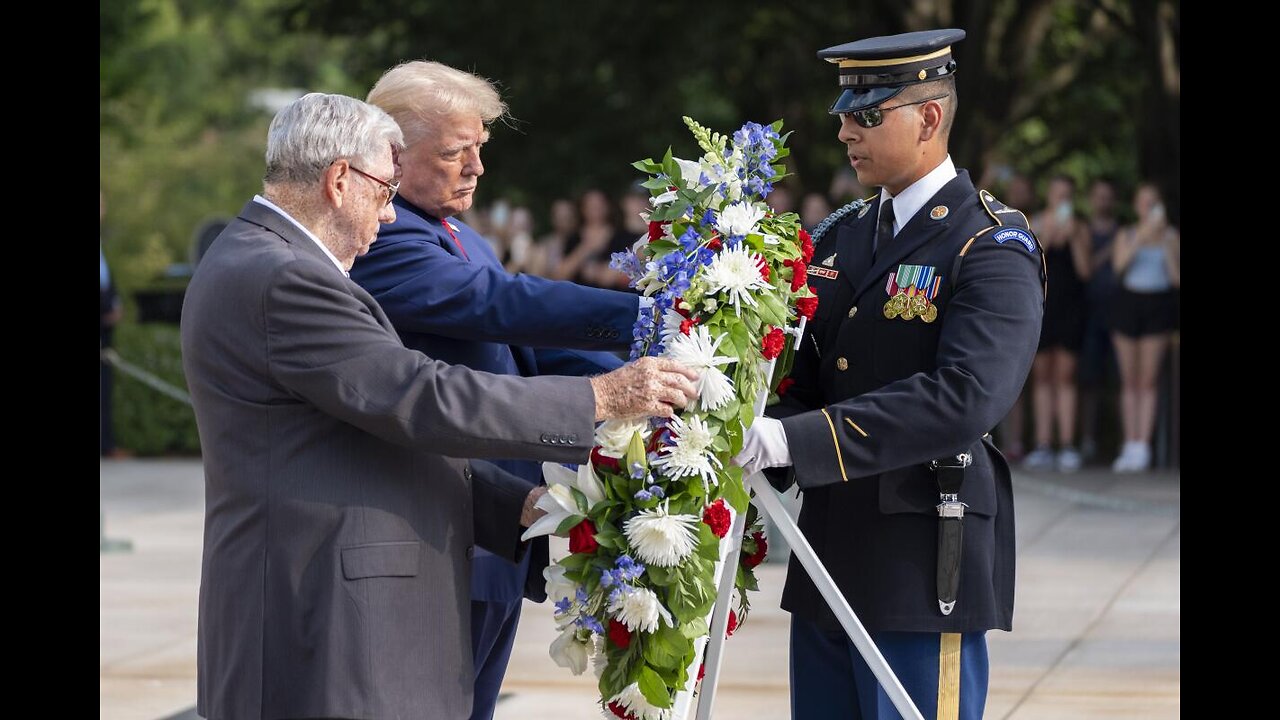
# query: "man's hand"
764,446
647,387
530,514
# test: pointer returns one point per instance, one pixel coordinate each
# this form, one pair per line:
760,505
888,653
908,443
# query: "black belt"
950,472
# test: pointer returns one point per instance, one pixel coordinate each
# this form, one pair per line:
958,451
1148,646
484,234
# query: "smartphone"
1063,211
1157,212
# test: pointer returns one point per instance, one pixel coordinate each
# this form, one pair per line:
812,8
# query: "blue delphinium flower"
643,496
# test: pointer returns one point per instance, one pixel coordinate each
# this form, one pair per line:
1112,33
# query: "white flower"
739,218
771,239
635,703
558,501
614,436
559,586
573,649
662,539
690,173
670,325
690,455
710,304
736,272
649,283
697,351
664,198
639,609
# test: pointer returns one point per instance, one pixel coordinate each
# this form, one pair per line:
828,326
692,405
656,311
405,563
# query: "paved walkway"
1096,627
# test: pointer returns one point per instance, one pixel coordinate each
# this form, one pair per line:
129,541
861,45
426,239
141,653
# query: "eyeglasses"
872,117
392,187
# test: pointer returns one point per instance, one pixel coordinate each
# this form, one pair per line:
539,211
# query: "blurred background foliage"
1085,87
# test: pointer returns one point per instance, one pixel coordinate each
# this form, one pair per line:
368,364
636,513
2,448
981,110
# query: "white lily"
559,586
690,173
664,198
571,650
558,502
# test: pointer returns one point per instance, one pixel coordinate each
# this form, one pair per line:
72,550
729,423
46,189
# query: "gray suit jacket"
337,534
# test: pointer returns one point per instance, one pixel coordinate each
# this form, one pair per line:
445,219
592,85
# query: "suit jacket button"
545,438
853,311
842,364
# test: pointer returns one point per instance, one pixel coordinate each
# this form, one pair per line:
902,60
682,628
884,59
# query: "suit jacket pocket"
914,489
901,348
386,559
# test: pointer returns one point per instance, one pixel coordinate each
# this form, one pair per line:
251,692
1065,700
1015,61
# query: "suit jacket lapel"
853,247
261,215
918,231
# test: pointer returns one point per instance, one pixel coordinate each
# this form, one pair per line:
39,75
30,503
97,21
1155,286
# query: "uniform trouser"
944,673
493,632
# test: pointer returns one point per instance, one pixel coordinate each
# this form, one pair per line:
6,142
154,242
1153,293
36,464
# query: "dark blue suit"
448,295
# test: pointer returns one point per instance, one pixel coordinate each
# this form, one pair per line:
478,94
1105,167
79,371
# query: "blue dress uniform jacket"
455,302
876,399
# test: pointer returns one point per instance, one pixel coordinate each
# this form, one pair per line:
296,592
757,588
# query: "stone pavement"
1096,627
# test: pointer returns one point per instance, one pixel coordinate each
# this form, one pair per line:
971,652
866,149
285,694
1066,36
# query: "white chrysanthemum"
635,703
739,218
697,351
691,453
659,538
573,649
614,436
670,325
639,610
736,272
558,502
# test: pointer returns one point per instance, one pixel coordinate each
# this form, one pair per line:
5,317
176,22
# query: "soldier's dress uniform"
920,345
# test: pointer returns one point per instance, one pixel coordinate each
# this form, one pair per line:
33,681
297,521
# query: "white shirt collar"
263,201
908,202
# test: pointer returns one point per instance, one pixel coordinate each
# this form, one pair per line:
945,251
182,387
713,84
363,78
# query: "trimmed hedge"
148,422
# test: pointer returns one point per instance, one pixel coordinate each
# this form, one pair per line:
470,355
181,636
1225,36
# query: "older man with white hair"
448,294
337,532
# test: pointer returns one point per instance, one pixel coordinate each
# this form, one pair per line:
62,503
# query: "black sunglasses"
872,117
392,187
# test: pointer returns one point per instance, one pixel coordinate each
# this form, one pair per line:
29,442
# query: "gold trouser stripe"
894,61
949,677
836,440
854,425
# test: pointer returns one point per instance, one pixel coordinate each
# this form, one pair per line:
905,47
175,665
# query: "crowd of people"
1110,316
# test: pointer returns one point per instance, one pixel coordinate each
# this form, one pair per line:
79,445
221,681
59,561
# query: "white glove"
764,446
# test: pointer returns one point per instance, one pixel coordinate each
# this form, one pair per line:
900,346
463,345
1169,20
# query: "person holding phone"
1065,238
1144,314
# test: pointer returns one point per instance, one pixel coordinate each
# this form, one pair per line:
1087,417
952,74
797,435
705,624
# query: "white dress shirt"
908,202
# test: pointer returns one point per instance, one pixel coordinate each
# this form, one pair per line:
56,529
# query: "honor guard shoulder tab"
1001,213
830,221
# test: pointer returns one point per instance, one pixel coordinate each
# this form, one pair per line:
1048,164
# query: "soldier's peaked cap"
876,69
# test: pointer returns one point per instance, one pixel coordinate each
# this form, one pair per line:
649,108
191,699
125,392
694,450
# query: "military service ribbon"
911,289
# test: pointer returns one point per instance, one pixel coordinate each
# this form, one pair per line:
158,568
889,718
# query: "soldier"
930,303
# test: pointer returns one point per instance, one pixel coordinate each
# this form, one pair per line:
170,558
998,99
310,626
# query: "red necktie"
449,230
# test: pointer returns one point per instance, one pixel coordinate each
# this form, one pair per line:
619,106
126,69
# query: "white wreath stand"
766,500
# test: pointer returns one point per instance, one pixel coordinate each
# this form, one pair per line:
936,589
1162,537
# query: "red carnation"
619,634
762,548
685,325
676,306
582,538
733,624
764,268
655,230
806,247
799,275
717,517
702,671
618,710
772,343
604,462
715,243
807,306
784,385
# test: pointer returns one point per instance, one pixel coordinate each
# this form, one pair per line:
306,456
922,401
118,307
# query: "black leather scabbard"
950,528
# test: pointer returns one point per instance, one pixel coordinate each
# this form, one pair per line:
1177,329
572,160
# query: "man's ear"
931,114
337,182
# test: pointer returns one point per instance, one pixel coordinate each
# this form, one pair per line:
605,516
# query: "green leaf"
734,493
708,543
580,500
654,689
695,628
568,524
